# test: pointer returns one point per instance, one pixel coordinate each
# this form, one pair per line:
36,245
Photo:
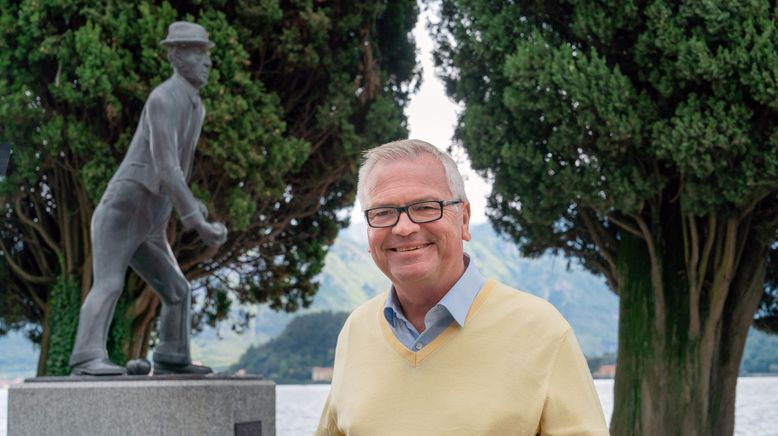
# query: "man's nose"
208,62
404,225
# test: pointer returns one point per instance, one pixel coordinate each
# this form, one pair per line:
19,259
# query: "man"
447,351
129,223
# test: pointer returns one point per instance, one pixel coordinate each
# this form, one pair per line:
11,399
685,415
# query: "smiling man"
447,351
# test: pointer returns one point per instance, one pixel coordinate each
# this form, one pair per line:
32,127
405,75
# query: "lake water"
298,406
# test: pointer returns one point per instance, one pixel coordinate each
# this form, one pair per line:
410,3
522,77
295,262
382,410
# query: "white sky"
432,118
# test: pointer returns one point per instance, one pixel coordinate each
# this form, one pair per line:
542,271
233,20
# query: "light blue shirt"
453,307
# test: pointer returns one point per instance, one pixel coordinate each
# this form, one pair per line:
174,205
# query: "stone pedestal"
140,405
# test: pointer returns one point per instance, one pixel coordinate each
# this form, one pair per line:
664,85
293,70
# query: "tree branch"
624,225
595,230
19,271
37,226
656,274
724,275
710,238
691,270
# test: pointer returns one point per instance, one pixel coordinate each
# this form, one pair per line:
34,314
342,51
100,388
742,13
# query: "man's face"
414,256
193,62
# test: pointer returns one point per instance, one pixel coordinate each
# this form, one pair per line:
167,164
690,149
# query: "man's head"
415,255
189,51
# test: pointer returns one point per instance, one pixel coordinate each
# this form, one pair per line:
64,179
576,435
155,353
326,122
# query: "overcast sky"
432,118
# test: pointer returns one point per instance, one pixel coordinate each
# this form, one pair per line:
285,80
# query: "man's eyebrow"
405,204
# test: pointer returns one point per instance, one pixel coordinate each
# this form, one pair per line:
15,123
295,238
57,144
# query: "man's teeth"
410,248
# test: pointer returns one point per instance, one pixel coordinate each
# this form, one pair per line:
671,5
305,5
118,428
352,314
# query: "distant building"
321,374
605,371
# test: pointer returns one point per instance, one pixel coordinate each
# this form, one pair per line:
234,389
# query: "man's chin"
409,274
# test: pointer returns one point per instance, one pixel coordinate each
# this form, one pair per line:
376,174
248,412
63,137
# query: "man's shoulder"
527,308
369,307
167,93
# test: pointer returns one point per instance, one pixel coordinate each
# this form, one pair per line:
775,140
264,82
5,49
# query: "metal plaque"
250,428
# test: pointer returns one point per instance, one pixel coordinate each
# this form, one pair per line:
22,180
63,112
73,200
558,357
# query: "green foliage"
64,307
308,341
604,121
766,319
760,355
611,107
297,91
595,362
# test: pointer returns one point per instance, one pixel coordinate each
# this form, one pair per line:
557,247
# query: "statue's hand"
202,208
213,234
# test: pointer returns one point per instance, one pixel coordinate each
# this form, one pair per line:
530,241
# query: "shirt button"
418,346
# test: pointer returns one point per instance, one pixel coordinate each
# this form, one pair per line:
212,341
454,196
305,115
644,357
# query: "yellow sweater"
515,368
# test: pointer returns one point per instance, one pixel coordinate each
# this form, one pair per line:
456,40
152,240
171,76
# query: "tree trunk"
44,352
675,378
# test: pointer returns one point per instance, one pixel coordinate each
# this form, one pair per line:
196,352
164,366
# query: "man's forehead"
388,173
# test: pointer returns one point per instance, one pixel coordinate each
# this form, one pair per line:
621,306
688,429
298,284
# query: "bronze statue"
128,225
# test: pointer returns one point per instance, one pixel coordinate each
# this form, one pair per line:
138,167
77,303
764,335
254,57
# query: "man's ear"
174,57
466,221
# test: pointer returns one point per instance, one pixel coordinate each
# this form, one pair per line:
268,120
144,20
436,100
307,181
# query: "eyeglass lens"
419,212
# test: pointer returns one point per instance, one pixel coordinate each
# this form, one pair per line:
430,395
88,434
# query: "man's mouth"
404,249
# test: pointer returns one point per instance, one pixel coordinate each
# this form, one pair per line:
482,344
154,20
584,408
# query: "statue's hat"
183,32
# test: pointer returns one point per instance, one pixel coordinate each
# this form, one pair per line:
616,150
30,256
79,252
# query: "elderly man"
447,351
129,223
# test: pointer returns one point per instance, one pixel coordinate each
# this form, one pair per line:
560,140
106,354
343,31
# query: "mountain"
350,278
306,342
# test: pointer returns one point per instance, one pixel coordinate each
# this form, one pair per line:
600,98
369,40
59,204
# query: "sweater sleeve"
327,423
572,406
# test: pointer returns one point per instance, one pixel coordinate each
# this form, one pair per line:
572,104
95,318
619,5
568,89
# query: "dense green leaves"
611,105
64,305
297,90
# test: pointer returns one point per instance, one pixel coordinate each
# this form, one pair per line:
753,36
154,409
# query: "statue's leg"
154,262
113,243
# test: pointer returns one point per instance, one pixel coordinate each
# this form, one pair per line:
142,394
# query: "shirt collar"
457,300
191,92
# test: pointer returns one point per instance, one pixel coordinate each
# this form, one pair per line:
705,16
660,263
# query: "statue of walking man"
128,225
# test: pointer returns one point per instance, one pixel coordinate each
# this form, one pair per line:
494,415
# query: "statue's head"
189,51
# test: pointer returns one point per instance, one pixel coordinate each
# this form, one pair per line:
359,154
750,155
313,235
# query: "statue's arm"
162,117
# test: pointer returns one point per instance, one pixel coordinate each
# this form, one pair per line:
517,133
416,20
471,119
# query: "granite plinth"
140,405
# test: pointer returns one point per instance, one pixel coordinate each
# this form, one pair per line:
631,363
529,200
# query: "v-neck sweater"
515,368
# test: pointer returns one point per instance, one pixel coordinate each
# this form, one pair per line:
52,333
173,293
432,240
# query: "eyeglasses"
420,212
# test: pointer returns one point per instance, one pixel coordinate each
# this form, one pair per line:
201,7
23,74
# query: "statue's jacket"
161,153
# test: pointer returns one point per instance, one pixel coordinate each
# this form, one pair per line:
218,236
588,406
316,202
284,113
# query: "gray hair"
409,149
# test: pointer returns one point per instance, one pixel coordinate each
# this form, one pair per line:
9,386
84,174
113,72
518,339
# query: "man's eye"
382,212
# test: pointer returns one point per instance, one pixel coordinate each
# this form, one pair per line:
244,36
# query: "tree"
298,89
640,138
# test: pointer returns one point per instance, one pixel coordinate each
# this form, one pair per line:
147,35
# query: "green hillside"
307,341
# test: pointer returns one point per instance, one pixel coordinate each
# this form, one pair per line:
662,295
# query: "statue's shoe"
99,367
163,368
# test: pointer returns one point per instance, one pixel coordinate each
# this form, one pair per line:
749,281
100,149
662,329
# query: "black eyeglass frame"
401,209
